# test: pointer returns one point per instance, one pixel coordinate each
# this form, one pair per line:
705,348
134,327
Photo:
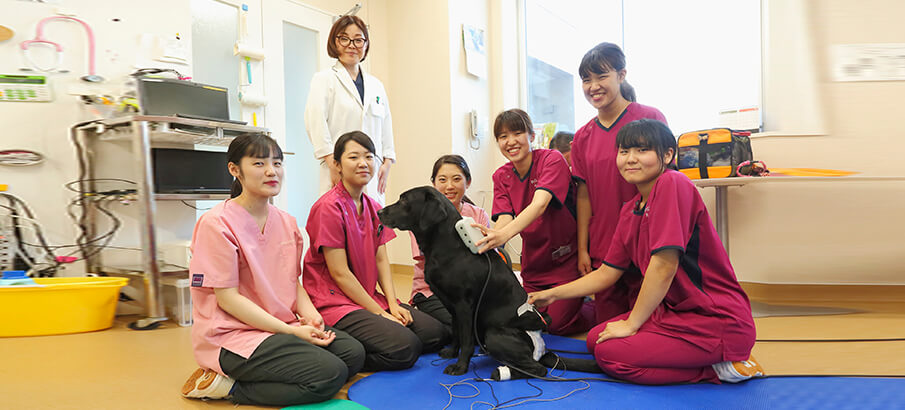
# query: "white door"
295,40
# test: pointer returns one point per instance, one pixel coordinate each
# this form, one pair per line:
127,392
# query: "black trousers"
286,370
432,306
389,345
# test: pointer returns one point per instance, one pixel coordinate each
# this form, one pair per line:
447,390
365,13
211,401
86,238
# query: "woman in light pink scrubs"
451,177
347,259
256,334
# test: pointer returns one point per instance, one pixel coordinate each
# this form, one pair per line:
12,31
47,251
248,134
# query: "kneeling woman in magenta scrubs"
348,259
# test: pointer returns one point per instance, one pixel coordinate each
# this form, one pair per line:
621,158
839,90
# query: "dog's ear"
432,210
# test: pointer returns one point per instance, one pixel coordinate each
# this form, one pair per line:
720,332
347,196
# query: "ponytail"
236,188
627,91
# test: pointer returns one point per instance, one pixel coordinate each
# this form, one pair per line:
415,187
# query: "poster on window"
475,51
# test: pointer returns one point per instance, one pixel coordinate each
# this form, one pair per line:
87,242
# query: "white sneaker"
207,384
734,372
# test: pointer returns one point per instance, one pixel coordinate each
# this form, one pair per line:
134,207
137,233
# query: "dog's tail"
553,361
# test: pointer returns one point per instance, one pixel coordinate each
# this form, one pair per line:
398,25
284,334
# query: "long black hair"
650,134
603,58
458,161
250,145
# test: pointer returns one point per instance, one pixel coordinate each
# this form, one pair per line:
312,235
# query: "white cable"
462,382
37,227
34,222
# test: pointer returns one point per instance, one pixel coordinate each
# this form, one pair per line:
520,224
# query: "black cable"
20,238
38,232
17,233
147,71
69,185
82,241
483,380
540,392
194,207
569,351
83,170
108,236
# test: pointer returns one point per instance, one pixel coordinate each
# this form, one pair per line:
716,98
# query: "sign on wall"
868,62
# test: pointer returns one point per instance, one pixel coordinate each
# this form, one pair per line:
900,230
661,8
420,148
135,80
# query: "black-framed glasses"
357,42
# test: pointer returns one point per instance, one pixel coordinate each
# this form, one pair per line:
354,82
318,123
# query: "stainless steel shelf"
139,270
142,131
165,129
191,197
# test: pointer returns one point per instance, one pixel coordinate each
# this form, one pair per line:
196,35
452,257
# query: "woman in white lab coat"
345,98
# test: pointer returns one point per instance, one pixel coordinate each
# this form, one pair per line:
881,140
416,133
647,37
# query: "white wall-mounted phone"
473,122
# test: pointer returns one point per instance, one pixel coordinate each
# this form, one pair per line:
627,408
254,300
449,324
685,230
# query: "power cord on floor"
508,403
463,382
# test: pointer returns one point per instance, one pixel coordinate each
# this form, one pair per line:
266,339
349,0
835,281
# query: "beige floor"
124,369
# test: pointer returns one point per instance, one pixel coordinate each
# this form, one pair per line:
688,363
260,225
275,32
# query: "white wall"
432,93
832,232
43,127
418,86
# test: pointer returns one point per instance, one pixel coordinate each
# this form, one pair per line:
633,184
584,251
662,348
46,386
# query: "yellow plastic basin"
62,305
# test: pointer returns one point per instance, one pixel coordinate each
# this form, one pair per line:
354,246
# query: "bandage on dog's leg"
501,373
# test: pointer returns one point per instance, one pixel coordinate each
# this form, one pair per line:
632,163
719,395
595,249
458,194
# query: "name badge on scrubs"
562,251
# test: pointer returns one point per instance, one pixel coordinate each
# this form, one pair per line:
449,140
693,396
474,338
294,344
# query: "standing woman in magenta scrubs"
345,98
602,191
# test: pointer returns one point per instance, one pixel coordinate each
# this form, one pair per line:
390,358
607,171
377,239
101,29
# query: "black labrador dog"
459,278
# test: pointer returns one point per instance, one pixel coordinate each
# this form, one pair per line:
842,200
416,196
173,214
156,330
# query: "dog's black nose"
383,215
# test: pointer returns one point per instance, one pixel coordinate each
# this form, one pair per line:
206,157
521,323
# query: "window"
690,59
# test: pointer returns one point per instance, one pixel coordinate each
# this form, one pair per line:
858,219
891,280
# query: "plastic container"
178,299
59,306
16,278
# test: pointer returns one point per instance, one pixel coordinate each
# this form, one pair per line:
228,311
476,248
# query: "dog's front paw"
456,369
449,352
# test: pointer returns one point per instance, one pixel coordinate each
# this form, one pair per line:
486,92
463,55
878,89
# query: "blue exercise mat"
419,388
